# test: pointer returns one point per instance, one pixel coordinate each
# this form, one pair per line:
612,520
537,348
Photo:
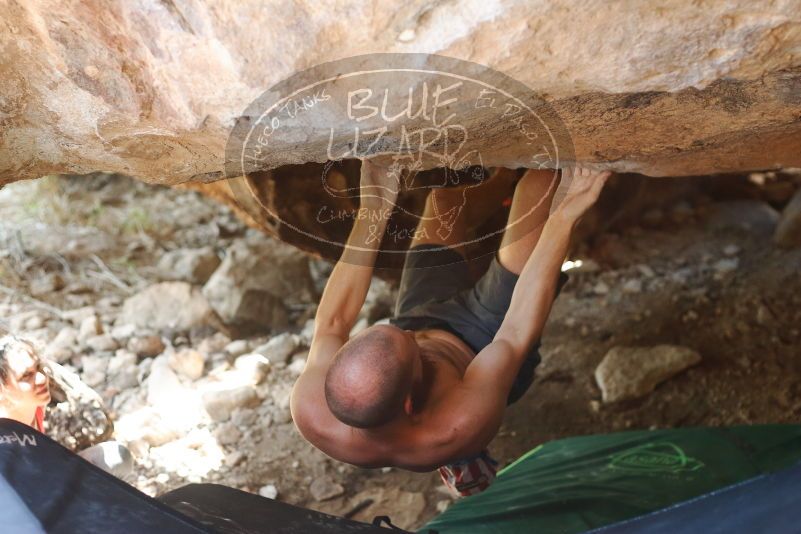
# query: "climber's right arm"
339,307
347,286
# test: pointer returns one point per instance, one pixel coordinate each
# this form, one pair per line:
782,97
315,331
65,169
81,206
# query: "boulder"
165,101
111,456
164,388
122,371
44,285
168,305
269,491
253,367
228,434
297,364
257,283
34,322
78,315
686,89
220,403
380,301
215,343
78,419
323,488
60,349
279,410
147,425
94,370
632,372
234,458
788,230
147,346
237,347
244,417
179,406
280,347
189,265
90,327
123,332
187,362
307,332
102,343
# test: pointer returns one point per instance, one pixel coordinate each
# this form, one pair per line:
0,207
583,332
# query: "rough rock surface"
257,284
280,347
631,372
190,265
219,404
188,363
79,418
168,305
324,488
153,90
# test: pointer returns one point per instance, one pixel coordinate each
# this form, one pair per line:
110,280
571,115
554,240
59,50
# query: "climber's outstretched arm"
347,286
342,300
494,369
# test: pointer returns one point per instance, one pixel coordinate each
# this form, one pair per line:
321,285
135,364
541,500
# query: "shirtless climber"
429,389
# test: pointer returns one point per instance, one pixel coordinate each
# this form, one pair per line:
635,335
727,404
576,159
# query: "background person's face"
27,386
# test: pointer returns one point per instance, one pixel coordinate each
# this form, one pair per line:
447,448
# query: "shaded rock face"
154,90
257,284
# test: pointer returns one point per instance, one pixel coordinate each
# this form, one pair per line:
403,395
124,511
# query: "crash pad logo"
24,440
662,457
434,116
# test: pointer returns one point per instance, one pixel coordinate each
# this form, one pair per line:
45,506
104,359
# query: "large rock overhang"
154,89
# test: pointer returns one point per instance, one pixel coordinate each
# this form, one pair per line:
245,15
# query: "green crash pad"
577,484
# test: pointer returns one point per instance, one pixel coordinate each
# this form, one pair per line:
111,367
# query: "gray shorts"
436,291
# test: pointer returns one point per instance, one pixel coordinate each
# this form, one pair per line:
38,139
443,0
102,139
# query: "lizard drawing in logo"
661,457
465,173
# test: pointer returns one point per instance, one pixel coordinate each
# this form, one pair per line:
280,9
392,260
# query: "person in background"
25,391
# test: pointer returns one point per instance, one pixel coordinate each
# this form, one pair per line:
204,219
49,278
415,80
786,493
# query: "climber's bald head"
371,377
